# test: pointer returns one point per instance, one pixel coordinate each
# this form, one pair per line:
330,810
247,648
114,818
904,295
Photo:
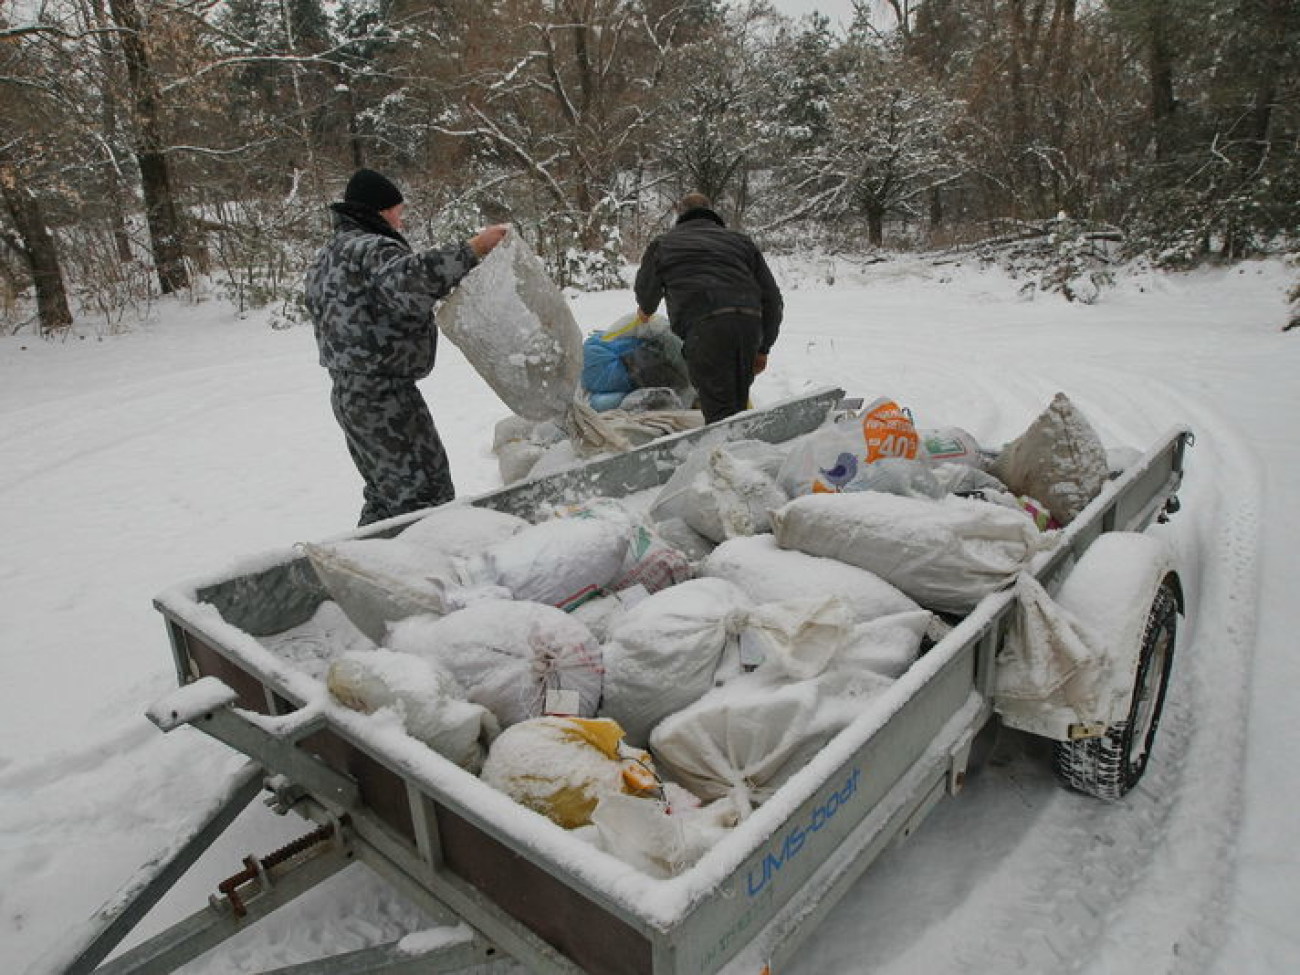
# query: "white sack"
743,740
662,839
908,477
946,554
557,561
377,581
1049,656
424,695
508,655
768,573
684,538
724,491
516,329
664,652
650,562
952,445
517,459
799,637
1058,461
888,645
461,529
600,614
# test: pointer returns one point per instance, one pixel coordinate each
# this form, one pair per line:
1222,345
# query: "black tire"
1109,766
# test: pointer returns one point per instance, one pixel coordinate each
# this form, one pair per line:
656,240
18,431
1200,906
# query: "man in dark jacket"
371,300
722,302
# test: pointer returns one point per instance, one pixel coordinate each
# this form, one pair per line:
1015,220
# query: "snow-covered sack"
557,562
518,659
746,738
887,645
662,838
684,538
946,554
743,740
724,491
663,653
672,647
600,614
461,529
516,329
1050,658
951,445
1059,461
519,443
377,581
562,767
425,697
650,562
898,475
768,573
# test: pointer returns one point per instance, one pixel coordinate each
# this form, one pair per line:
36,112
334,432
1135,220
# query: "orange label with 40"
888,431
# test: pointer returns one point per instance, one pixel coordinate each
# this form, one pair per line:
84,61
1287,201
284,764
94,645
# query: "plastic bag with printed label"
827,460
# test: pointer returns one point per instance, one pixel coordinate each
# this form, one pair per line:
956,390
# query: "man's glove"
760,363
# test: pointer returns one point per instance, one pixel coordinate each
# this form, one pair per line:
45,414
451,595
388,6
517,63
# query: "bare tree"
162,213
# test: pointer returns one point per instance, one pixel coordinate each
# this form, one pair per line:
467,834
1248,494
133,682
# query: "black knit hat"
372,189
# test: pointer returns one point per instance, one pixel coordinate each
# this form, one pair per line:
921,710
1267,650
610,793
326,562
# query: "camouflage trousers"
393,443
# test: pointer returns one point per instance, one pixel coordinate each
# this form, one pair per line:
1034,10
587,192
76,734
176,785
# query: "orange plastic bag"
888,431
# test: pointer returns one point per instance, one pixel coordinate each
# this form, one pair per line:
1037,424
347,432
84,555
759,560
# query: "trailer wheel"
1109,766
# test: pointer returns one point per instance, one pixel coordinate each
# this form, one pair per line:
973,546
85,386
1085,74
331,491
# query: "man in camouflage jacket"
371,300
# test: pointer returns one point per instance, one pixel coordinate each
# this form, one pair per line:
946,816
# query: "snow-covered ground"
131,462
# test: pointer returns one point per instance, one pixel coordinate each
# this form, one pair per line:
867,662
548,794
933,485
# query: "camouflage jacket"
371,297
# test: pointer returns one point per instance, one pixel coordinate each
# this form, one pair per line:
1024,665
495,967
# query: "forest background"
146,145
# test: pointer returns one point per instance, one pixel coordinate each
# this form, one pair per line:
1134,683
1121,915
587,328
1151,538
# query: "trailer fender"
1112,589
1126,588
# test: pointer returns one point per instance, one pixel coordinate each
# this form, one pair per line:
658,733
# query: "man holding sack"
371,299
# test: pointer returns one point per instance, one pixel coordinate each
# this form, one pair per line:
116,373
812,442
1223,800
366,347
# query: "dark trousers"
394,444
720,351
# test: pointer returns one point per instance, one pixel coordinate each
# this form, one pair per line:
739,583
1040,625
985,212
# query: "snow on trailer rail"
499,881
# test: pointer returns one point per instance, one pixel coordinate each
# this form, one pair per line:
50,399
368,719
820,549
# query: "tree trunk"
98,20
38,251
166,233
876,226
1160,66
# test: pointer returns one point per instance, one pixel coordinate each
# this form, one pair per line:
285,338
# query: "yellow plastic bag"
562,767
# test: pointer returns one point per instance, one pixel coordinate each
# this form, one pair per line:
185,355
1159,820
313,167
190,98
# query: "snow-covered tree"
874,145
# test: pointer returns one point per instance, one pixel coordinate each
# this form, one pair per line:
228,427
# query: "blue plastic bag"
603,370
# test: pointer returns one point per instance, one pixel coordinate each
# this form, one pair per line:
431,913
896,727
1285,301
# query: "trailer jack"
262,872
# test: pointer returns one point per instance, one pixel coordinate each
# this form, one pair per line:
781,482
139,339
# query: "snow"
130,463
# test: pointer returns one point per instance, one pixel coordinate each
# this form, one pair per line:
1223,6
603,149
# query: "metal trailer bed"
780,871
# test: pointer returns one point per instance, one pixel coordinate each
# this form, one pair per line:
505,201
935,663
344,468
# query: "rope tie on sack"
736,621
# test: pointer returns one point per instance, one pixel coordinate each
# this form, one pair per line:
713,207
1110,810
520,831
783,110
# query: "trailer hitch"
262,871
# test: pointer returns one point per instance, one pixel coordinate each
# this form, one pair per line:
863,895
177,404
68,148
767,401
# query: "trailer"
454,846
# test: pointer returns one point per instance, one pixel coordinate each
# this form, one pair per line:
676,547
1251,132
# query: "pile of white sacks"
607,667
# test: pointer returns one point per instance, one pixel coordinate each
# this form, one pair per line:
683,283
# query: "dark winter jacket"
371,297
704,269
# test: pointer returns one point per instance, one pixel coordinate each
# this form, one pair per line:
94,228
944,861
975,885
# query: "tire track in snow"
26,451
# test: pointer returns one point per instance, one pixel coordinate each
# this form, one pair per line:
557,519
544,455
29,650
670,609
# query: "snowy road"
130,464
